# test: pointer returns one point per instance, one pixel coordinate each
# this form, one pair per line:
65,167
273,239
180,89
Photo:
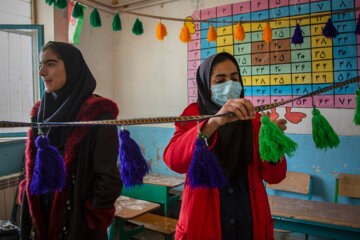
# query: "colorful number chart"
282,70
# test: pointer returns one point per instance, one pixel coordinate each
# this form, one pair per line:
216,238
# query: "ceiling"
128,4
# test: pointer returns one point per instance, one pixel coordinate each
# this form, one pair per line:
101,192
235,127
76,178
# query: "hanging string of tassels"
329,30
204,171
139,121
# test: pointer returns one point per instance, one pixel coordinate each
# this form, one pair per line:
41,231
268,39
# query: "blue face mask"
224,91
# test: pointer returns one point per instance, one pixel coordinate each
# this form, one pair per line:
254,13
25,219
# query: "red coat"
200,209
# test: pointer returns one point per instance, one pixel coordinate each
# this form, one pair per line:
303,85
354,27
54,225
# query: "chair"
295,182
347,185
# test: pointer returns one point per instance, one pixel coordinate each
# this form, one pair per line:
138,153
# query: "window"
19,73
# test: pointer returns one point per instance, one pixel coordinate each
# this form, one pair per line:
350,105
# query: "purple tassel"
49,172
357,31
204,169
133,165
329,30
297,37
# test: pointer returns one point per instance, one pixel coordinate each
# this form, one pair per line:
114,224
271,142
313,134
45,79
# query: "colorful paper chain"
138,121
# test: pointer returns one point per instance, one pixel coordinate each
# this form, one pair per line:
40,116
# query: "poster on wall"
282,70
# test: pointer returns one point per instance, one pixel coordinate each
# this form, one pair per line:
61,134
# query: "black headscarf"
234,147
64,105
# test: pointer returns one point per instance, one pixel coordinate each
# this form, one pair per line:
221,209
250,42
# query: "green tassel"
49,2
138,27
357,111
95,20
61,4
273,143
78,11
116,24
324,135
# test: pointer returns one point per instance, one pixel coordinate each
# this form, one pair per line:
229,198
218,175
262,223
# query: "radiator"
8,187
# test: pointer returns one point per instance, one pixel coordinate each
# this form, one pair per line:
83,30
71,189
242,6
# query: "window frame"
40,42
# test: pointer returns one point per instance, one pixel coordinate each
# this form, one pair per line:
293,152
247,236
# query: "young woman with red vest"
84,207
239,210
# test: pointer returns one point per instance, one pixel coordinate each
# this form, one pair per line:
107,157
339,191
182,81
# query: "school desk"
125,209
323,219
156,188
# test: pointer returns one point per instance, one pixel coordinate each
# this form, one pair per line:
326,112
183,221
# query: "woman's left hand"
281,123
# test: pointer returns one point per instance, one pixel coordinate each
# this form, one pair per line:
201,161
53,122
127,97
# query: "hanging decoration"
204,170
185,34
61,4
211,36
239,34
273,143
161,31
78,11
267,34
357,110
357,30
137,28
324,135
297,37
75,23
133,165
329,30
49,170
95,20
116,24
49,2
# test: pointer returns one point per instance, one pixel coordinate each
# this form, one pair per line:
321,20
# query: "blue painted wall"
323,166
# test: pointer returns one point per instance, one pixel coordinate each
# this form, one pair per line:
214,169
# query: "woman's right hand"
242,108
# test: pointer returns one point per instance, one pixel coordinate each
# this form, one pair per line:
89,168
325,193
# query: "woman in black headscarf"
84,207
239,210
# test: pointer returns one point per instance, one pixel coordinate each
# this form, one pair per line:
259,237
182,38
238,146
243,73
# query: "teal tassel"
78,11
273,143
49,2
324,135
357,111
61,4
138,27
116,24
95,20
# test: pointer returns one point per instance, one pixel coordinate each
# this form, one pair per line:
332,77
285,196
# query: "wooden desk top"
163,180
128,208
322,212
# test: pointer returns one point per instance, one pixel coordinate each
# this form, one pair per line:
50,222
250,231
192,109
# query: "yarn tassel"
61,4
49,2
357,111
116,24
357,30
211,36
329,30
273,143
267,34
204,170
161,31
297,37
137,28
324,135
239,33
185,34
78,11
49,171
95,20
133,165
